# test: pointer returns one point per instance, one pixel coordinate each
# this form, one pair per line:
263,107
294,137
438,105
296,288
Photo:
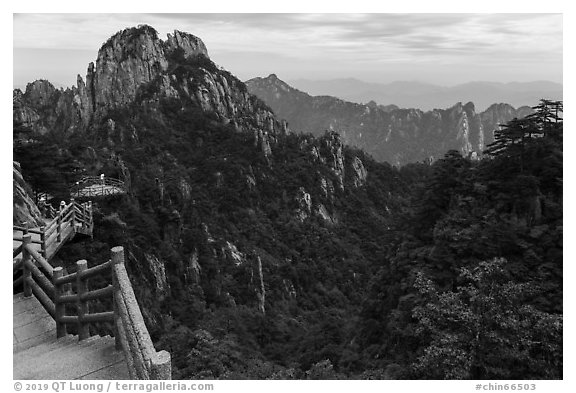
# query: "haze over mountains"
260,252
388,133
427,96
226,209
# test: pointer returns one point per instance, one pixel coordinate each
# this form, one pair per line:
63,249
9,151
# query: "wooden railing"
83,216
80,299
131,332
49,286
34,281
71,219
93,186
47,210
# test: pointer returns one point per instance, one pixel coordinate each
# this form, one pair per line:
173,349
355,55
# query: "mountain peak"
135,66
272,82
190,44
39,92
386,132
134,57
130,36
469,106
143,41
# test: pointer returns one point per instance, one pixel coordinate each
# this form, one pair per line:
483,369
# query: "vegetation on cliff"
489,237
256,253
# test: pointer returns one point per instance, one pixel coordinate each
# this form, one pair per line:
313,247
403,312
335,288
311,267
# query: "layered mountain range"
388,133
257,252
426,96
136,66
223,200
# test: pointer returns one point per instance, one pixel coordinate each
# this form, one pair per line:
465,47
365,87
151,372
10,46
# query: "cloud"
362,42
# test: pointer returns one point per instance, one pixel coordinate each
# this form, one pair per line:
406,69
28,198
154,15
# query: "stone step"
89,340
34,329
31,324
33,312
46,337
117,371
85,346
53,347
89,358
44,342
54,344
22,304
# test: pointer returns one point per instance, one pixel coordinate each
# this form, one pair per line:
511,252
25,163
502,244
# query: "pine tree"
512,139
485,330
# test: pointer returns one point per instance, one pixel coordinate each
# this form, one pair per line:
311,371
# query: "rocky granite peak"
188,43
469,107
135,57
388,133
359,172
275,85
126,61
136,66
40,92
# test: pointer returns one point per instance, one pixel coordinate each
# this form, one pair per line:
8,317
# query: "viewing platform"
93,187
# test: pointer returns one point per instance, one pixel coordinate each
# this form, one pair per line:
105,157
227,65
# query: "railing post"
81,289
60,307
59,227
73,218
43,246
117,259
91,218
161,366
26,274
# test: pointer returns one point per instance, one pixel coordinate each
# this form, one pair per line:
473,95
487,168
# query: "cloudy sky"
444,49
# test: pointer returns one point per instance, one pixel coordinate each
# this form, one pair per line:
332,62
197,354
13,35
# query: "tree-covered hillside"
259,253
474,286
399,276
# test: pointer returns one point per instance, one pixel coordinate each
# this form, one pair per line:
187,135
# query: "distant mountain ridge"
426,96
256,252
223,203
388,133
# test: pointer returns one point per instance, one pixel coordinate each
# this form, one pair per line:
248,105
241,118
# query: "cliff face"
126,61
230,216
388,133
123,104
25,212
249,247
136,65
22,113
498,114
35,109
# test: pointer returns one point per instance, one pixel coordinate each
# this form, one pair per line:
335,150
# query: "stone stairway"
67,233
39,355
47,240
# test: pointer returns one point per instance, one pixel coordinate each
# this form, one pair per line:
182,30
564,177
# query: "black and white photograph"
249,196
